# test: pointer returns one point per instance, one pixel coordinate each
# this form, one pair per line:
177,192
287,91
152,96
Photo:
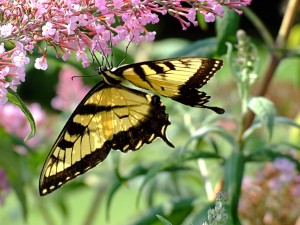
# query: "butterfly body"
112,116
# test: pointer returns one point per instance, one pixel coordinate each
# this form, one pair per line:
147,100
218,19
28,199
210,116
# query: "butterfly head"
109,76
103,69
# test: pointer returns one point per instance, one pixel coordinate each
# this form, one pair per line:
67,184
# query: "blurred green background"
132,188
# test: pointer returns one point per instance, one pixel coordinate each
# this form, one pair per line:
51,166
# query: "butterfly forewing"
109,117
176,78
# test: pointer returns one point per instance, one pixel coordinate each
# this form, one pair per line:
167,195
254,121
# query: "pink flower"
286,168
20,58
41,63
83,20
6,30
4,72
72,25
191,15
101,5
2,49
48,30
3,92
68,98
284,165
66,55
218,9
81,55
150,36
136,2
118,4
210,17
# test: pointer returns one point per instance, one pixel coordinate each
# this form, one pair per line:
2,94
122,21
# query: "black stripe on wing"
188,92
206,71
53,182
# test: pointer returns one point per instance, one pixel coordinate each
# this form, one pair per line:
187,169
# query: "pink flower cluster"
75,26
13,120
273,195
67,98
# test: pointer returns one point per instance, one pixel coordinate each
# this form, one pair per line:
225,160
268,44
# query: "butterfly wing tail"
195,98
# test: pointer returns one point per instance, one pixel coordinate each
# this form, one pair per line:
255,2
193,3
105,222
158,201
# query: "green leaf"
293,41
233,175
226,29
287,121
175,211
15,99
163,220
204,47
277,120
206,130
264,109
175,163
267,154
201,21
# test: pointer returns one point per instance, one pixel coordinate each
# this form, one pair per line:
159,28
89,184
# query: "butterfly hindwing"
109,117
175,78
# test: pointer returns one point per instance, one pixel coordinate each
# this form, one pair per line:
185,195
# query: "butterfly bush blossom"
73,26
270,195
67,98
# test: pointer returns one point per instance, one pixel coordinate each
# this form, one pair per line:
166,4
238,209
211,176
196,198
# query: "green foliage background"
133,188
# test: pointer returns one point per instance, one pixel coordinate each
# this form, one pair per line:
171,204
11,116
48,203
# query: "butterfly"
112,116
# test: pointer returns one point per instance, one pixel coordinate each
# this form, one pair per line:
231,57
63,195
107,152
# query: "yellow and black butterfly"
112,116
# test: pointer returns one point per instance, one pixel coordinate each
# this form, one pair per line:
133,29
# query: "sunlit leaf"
163,220
265,111
217,130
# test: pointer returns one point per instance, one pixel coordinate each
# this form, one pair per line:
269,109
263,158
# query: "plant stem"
278,51
94,208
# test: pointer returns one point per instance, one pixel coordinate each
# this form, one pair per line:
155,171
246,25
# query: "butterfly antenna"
94,57
126,50
104,63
